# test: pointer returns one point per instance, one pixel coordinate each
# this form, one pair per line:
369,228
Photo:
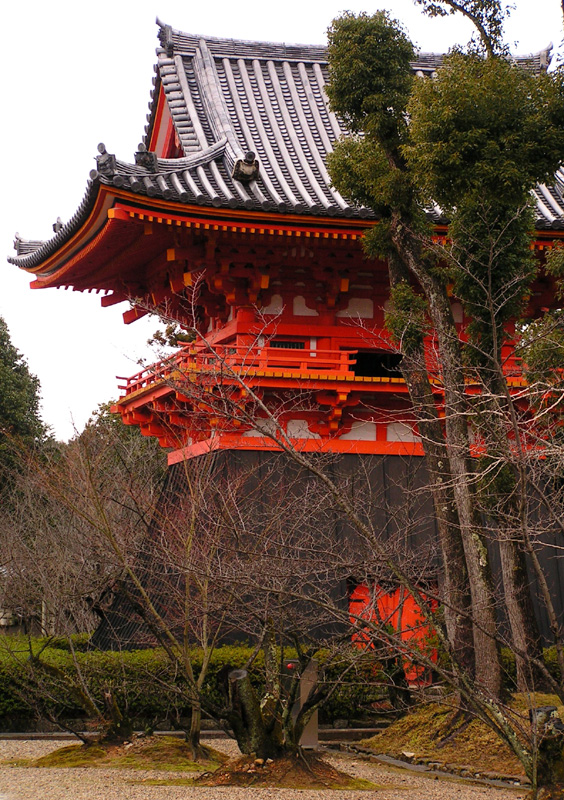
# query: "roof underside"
227,98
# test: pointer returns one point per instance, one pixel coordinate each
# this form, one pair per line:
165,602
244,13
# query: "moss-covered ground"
170,754
159,753
430,731
438,732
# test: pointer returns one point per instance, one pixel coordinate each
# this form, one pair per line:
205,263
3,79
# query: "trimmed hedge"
145,683
147,687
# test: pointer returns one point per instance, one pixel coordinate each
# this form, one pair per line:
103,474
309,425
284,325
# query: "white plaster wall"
361,431
358,308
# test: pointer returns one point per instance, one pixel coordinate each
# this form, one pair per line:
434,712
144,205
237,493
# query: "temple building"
227,223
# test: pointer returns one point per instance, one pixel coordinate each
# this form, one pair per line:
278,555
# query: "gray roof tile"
229,97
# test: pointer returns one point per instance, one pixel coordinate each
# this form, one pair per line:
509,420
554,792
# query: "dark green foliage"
138,680
370,85
480,135
172,336
484,128
370,78
406,319
543,349
149,688
20,420
484,131
555,261
493,267
77,642
555,266
363,174
145,683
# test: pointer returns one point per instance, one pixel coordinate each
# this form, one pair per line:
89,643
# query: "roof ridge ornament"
105,162
146,158
165,36
545,57
247,169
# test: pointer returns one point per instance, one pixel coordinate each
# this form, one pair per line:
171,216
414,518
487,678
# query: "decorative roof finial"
246,170
146,158
105,162
165,38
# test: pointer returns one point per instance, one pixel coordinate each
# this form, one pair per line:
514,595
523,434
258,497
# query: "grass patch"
166,753
363,785
71,756
354,783
435,731
163,782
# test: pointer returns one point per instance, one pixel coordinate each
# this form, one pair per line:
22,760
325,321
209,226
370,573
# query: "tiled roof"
229,98
259,97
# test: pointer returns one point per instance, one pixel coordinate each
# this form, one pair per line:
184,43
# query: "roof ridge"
212,98
185,43
167,165
197,37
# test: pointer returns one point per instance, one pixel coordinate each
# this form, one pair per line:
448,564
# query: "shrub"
145,684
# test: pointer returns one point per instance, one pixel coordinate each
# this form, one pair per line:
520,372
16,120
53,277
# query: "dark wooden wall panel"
387,491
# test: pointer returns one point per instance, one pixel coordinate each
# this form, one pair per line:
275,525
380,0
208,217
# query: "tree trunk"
120,727
511,523
193,735
247,721
456,590
520,613
488,668
548,766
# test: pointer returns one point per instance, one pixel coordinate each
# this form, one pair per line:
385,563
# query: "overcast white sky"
79,73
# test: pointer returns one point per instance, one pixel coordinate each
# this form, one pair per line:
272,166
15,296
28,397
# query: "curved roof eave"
175,187
30,254
226,98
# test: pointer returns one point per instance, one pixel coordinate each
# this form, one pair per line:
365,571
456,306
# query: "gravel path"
18,783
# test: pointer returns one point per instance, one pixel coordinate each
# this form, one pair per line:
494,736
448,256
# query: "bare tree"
376,563
267,552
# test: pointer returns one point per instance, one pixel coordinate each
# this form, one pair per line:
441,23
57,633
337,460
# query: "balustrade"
240,359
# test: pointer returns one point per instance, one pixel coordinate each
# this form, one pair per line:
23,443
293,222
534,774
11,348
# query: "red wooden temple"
226,221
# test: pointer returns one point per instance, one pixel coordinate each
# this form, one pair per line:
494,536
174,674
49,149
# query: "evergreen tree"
20,420
475,139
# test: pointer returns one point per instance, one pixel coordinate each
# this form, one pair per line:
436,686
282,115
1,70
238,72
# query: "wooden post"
308,679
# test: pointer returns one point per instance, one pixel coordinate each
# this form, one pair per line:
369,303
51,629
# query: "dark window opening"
372,364
287,345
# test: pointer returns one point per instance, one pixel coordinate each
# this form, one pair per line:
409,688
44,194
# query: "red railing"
240,359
